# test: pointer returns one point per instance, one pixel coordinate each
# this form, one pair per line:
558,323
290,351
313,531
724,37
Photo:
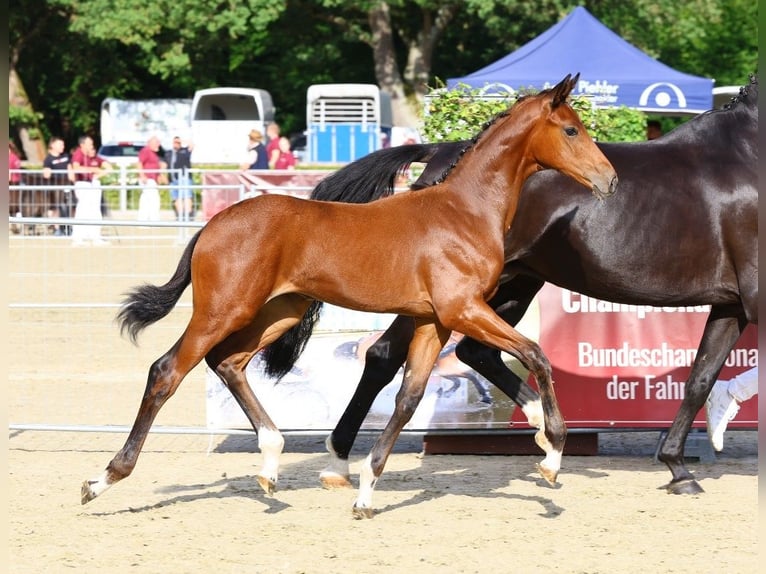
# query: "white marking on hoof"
93,488
336,474
533,410
270,442
550,466
363,505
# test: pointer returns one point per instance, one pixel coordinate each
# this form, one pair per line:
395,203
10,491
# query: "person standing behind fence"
14,179
272,145
285,157
256,152
55,174
152,172
87,168
179,163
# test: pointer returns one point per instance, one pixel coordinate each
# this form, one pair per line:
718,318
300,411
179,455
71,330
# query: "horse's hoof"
335,481
686,486
362,512
86,493
268,485
548,474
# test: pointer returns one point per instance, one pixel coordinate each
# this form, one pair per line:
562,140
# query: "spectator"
87,168
14,178
653,129
151,172
272,144
285,157
178,159
55,174
14,164
256,152
722,403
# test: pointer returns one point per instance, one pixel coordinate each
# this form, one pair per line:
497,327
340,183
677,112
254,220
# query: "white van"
221,119
137,120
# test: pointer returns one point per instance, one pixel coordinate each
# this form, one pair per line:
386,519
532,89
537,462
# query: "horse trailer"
221,119
346,121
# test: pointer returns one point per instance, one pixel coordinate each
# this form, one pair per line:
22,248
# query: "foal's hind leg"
428,341
165,374
230,358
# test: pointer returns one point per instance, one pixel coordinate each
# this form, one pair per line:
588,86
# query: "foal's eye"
570,131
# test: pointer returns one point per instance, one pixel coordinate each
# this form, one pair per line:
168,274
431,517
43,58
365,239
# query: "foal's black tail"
362,181
147,304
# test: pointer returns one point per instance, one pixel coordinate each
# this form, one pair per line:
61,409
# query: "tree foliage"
71,54
461,113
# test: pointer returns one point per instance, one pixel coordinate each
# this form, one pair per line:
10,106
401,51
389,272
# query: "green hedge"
460,113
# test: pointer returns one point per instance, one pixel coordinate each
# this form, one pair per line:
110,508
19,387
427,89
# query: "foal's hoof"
335,481
547,473
268,485
362,512
86,493
686,486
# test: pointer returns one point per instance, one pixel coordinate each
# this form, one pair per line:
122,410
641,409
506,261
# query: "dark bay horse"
682,231
258,265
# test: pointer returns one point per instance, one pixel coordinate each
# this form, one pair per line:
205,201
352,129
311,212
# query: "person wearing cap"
178,159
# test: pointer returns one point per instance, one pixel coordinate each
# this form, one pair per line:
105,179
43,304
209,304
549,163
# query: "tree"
167,49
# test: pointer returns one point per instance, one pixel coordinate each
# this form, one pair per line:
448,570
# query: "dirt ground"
193,506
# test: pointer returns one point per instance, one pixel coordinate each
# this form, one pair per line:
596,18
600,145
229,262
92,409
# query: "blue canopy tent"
613,71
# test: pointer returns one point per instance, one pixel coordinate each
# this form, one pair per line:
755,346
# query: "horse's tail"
372,176
282,354
361,181
147,304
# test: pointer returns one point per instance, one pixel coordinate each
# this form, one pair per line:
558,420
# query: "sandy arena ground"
193,505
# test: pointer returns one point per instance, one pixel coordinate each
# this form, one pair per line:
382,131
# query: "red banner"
224,188
625,366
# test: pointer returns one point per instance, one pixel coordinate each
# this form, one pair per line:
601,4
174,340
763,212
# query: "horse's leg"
229,360
511,303
428,340
165,374
204,331
382,361
478,321
722,329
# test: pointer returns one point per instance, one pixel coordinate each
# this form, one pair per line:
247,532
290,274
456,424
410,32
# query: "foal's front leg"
424,349
481,323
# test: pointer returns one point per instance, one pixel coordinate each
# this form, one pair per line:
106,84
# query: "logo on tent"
662,96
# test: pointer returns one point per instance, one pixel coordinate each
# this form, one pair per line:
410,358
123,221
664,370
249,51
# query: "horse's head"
560,141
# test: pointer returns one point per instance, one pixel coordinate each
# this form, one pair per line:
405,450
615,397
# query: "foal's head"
558,139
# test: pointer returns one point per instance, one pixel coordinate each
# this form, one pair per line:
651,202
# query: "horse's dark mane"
470,143
744,92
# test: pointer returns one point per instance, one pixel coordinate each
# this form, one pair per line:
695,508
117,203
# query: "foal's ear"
562,90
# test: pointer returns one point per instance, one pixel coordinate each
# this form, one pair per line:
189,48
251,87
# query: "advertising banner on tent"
614,367
612,71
